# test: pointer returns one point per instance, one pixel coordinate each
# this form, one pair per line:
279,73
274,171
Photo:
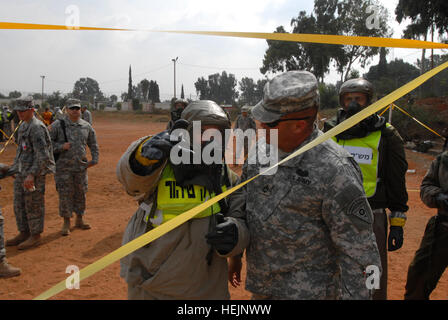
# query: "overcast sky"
65,56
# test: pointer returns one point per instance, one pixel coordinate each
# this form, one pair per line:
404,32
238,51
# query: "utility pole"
174,60
42,103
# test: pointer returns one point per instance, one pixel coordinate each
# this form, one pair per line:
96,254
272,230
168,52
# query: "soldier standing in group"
176,111
379,150
244,122
33,161
86,115
6,270
180,264
310,223
70,136
431,258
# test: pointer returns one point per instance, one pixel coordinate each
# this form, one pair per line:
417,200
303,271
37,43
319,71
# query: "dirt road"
109,208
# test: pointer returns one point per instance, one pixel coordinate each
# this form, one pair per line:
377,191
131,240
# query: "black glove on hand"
225,236
442,201
158,147
395,240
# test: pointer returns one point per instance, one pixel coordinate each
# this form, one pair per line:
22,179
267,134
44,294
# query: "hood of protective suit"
208,112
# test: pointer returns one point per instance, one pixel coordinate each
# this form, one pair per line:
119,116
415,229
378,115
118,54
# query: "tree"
329,96
396,74
56,99
2,96
341,17
219,88
87,89
124,96
14,94
182,94
426,17
247,88
153,92
145,89
130,92
113,98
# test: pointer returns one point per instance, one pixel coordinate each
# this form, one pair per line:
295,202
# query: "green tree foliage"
438,86
340,17
251,92
87,89
153,92
113,98
424,15
219,88
329,97
14,94
145,89
56,99
130,87
390,76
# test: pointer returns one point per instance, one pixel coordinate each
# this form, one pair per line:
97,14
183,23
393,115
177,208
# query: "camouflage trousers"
72,188
29,207
430,261
2,238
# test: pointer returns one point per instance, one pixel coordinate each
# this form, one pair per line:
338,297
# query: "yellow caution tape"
182,218
418,121
384,111
6,136
296,37
10,138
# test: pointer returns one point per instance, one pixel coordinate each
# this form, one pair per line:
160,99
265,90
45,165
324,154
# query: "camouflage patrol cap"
208,112
286,93
24,104
73,103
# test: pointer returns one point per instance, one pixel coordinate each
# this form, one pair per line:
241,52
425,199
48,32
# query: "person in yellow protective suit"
180,264
378,149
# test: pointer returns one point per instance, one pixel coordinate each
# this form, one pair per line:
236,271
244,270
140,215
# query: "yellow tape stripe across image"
322,39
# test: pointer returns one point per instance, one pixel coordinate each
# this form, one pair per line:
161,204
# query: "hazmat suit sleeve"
237,213
430,186
134,183
347,214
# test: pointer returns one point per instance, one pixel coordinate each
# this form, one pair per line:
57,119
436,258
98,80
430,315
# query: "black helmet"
356,85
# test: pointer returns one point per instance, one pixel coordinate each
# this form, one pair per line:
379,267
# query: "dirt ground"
109,209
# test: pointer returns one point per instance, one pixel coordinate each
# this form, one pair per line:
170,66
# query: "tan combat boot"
7,270
66,227
32,241
80,223
18,239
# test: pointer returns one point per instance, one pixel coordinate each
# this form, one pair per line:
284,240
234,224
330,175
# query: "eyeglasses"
276,122
75,108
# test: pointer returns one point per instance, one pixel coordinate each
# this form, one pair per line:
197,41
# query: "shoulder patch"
360,208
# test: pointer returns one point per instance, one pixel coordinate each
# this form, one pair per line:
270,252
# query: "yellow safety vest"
365,152
173,200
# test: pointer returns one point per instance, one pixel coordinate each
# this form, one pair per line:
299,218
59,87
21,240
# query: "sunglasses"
276,122
75,108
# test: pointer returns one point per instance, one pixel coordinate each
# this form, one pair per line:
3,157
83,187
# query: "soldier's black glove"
395,240
3,170
158,147
442,201
224,237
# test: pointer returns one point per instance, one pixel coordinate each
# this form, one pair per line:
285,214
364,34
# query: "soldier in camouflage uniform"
86,114
72,164
33,161
6,270
244,122
310,224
